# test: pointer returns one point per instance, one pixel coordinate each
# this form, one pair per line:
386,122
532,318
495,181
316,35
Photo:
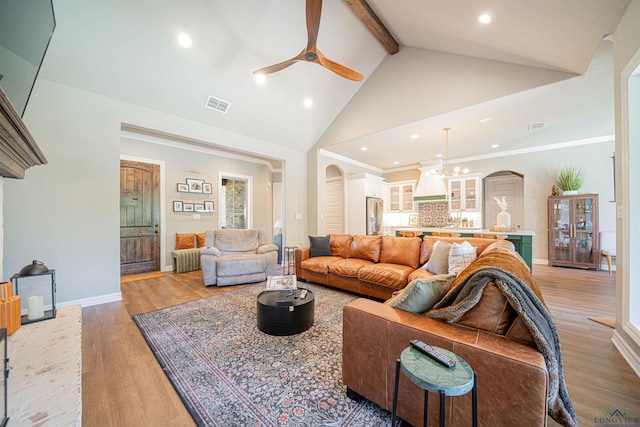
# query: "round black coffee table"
284,312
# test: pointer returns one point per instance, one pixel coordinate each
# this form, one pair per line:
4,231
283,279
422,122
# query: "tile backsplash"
433,214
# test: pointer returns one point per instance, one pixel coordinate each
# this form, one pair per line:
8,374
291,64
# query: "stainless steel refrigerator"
374,216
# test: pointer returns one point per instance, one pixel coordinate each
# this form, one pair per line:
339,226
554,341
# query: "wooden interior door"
139,217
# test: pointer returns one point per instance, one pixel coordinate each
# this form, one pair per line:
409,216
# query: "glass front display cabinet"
573,231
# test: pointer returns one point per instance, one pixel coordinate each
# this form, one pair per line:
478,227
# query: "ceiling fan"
311,53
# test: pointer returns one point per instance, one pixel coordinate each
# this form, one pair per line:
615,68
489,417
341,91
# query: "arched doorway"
506,184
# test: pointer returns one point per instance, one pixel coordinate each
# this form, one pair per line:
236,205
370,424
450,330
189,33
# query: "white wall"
626,55
539,170
199,163
66,213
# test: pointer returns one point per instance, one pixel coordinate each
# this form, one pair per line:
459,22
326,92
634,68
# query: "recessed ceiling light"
485,120
495,146
485,18
308,103
438,155
364,149
396,162
415,136
261,78
184,40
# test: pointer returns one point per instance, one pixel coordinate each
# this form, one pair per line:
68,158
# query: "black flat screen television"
26,27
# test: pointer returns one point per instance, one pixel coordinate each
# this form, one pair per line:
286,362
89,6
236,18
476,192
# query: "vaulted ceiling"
539,61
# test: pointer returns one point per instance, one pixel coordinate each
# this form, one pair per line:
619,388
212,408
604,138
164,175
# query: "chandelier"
443,169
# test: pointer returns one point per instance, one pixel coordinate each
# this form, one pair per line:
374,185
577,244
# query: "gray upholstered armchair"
231,257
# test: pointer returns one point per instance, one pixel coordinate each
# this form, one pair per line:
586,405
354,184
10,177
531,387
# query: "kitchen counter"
521,239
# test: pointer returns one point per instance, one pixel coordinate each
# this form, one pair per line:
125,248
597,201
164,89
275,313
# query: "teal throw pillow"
422,294
319,246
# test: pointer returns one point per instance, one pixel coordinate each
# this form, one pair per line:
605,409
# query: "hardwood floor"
123,385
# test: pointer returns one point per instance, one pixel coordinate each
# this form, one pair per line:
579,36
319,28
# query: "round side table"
431,376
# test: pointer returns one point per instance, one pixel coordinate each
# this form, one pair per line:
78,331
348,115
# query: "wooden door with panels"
139,217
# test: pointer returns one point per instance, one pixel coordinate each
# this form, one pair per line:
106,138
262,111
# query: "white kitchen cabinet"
400,197
465,193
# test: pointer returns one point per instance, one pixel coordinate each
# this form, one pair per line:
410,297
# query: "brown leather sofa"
373,266
513,379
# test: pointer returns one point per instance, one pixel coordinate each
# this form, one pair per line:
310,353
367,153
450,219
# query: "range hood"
431,187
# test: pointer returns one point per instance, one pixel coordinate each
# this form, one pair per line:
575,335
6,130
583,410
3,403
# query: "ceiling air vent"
536,126
217,104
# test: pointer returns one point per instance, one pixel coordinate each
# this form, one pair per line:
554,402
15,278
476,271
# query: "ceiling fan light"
261,78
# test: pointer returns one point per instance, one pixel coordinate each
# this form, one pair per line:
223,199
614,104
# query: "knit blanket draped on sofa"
520,289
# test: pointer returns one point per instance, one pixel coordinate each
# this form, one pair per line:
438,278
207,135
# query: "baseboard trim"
627,352
100,299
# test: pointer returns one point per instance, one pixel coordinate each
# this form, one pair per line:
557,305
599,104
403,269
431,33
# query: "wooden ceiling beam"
364,12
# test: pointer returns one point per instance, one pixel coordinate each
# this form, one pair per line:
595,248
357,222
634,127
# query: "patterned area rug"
229,373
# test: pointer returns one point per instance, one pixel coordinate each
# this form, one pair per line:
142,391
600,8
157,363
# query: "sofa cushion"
401,250
232,240
492,313
460,256
439,260
366,248
319,264
319,246
421,294
500,246
185,241
340,244
392,275
237,265
419,273
347,267
520,332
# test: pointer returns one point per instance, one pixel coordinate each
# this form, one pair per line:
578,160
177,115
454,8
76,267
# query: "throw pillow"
460,256
421,294
319,246
439,260
185,241
200,239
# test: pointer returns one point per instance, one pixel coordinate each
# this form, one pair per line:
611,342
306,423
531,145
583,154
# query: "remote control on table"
433,353
303,294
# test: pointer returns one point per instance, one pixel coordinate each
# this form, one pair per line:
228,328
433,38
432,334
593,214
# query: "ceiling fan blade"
280,65
339,69
314,10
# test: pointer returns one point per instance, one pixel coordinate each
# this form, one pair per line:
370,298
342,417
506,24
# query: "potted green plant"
570,179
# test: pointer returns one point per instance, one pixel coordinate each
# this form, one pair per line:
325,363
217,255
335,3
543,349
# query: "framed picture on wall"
206,188
195,185
187,207
183,188
208,206
199,207
177,206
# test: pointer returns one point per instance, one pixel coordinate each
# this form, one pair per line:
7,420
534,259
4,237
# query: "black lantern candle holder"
34,283
4,375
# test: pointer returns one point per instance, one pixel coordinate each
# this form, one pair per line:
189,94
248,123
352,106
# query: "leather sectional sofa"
373,266
513,375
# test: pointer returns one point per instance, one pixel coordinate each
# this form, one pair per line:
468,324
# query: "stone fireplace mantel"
18,149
